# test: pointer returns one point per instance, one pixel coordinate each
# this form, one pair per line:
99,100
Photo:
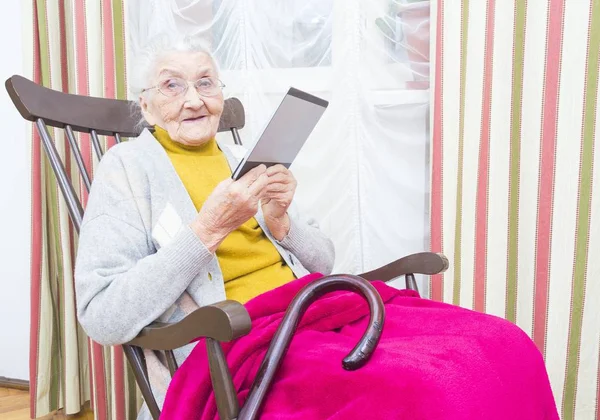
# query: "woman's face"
189,117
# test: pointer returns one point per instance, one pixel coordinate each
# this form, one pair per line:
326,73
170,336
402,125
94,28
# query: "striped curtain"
515,176
77,47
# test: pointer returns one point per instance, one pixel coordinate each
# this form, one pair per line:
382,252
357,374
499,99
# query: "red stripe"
63,49
36,233
437,284
109,50
82,89
65,83
81,48
109,57
82,83
91,376
100,382
109,92
65,88
546,182
119,383
481,231
598,392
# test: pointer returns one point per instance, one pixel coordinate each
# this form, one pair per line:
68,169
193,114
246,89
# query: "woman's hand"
231,204
278,196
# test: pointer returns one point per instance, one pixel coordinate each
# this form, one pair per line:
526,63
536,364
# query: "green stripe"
84,363
583,217
515,161
51,203
119,39
55,278
45,80
109,382
44,51
70,38
131,392
53,269
48,295
61,333
459,182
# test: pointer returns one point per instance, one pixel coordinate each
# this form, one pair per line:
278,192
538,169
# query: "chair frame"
220,322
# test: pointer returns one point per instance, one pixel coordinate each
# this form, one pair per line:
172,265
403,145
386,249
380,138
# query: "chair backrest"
96,116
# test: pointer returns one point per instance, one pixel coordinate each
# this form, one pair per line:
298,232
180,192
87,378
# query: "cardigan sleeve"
122,283
308,243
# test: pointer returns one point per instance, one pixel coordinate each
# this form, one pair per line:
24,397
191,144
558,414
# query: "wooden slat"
84,113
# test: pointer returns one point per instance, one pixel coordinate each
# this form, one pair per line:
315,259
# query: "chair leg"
411,283
135,356
223,388
171,362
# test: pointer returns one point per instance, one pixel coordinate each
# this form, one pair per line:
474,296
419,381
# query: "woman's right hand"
231,204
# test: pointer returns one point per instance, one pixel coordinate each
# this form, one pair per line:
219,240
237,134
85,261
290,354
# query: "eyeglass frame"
220,85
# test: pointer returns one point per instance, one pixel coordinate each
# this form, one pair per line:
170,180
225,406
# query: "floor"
14,405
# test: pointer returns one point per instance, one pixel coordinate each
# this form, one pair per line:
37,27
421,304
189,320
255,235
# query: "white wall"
14,207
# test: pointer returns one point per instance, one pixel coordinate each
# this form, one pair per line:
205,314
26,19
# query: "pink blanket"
434,361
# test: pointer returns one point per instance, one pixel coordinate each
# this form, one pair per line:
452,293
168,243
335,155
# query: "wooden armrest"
422,263
222,321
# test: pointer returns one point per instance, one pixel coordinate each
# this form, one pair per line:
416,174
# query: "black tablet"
285,133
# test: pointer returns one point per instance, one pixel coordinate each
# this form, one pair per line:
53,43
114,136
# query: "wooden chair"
222,321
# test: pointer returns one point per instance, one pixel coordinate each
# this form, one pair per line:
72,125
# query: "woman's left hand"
277,199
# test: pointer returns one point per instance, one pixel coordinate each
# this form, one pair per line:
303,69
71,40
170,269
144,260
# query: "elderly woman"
167,230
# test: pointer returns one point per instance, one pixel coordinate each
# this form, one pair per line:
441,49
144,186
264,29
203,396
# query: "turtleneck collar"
210,148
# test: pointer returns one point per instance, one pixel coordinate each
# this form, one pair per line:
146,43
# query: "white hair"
145,61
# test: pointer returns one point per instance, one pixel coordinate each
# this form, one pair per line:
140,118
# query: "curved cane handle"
357,358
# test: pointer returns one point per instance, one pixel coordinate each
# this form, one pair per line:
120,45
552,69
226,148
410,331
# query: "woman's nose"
192,97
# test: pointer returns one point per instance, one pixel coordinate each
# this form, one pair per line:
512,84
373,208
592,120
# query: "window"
301,42
364,171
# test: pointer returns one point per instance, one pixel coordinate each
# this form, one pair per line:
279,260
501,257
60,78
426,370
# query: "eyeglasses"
175,86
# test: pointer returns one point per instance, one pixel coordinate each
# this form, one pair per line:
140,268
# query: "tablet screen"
287,131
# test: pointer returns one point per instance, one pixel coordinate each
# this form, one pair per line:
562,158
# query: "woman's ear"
144,105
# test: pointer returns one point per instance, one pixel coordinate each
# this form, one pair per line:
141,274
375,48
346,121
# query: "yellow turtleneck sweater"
250,263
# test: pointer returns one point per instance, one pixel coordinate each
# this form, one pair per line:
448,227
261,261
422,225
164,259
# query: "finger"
278,187
257,187
223,185
279,168
264,191
275,201
285,197
281,178
252,175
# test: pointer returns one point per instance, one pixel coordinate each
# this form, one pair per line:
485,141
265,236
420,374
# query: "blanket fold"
434,361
